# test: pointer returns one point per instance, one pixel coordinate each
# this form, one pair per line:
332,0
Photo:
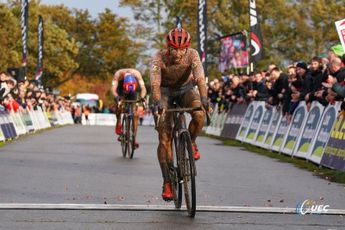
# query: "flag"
39,69
202,32
340,25
24,14
256,46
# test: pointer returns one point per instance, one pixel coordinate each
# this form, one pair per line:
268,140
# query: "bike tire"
128,136
131,140
176,180
188,173
123,136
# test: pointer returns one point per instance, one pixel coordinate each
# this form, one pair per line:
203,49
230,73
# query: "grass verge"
322,172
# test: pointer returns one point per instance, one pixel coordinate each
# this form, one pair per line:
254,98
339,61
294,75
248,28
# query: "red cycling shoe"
167,194
118,129
196,152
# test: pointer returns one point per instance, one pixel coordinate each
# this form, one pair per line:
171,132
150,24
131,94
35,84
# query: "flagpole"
249,44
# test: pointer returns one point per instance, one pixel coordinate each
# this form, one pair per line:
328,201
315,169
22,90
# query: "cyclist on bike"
174,73
124,86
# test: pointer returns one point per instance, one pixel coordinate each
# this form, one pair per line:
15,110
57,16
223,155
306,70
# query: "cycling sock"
165,172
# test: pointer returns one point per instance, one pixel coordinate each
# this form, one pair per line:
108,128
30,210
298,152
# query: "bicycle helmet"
178,38
129,84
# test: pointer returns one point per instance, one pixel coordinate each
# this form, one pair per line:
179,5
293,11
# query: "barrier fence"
317,135
16,124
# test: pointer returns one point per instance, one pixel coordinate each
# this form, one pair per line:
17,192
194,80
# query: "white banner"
106,119
217,123
341,31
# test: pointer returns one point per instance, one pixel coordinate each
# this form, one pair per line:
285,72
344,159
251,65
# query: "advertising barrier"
264,126
233,120
296,125
248,117
280,133
308,133
14,124
334,155
272,130
323,132
256,122
217,123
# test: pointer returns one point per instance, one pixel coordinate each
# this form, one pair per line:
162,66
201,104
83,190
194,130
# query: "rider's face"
177,54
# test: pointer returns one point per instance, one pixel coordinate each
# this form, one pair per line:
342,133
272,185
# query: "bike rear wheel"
123,136
187,167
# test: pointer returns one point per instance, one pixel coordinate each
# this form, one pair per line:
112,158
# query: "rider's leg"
164,153
192,99
135,124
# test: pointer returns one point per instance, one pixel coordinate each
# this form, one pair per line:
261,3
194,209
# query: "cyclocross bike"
183,171
128,135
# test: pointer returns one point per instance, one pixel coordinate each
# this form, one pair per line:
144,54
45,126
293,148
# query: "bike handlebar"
191,109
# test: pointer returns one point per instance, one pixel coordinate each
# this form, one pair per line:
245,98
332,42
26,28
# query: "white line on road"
119,207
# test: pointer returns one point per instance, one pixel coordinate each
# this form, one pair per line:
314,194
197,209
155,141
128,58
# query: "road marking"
124,207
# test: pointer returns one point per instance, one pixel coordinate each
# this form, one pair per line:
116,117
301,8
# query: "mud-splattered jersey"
165,73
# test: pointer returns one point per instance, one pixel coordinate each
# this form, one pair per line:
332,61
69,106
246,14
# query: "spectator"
280,85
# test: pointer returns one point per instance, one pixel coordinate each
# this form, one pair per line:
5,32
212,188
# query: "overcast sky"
94,6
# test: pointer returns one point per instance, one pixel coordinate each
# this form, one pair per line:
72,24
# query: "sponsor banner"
248,117
52,119
279,136
39,68
202,33
18,123
256,49
24,14
34,119
295,128
304,143
7,126
217,123
233,52
214,118
27,121
272,130
334,155
2,122
323,132
341,31
256,122
234,120
106,119
264,126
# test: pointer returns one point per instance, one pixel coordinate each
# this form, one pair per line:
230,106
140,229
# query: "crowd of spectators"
25,95
319,79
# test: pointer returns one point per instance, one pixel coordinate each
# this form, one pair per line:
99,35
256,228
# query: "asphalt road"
84,165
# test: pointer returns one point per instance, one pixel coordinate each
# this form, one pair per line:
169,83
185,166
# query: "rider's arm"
155,77
198,73
115,84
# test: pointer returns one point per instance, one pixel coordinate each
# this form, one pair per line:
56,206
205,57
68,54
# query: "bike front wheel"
123,136
187,167
130,137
